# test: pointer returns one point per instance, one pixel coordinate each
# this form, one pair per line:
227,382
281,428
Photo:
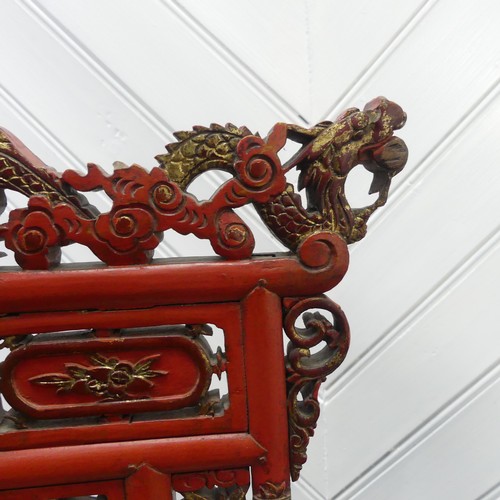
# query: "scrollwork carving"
145,204
230,484
330,150
272,491
12,342
306,371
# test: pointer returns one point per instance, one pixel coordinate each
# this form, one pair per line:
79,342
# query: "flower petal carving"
108,379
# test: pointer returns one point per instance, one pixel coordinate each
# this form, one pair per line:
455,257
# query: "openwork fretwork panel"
170,375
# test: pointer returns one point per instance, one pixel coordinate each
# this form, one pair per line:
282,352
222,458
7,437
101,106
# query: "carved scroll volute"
306,371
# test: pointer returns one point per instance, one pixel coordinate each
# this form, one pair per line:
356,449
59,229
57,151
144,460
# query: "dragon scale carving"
330,151
145,204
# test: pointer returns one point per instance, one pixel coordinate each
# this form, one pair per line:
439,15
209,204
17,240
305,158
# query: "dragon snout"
384,160
398,116
392,155
388,108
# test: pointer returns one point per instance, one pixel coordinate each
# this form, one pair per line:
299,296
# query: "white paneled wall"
414,412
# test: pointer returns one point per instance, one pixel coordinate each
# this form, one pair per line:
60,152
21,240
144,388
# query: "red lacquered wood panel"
122,375
110,375
117,460
266,387
176,282
113,490
146,483
233,418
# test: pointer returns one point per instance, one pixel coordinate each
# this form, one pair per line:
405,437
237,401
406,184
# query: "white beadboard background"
414,412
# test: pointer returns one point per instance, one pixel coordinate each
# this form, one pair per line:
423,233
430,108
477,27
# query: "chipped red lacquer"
110,375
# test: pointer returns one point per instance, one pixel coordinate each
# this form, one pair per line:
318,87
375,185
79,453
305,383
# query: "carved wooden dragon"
330,151
145,204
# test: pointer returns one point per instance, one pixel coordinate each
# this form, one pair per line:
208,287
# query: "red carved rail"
112,367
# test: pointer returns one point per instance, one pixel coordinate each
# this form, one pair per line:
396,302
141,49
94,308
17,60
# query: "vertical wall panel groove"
90,80
423,432
363,80
419,186
247,75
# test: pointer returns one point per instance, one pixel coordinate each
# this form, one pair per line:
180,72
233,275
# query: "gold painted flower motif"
109,379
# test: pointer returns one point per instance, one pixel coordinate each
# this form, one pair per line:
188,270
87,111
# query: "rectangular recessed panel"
157,378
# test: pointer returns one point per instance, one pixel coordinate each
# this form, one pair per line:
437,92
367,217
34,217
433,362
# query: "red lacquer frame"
253,431
110,372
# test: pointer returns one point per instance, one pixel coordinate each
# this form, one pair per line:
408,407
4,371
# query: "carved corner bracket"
306,371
